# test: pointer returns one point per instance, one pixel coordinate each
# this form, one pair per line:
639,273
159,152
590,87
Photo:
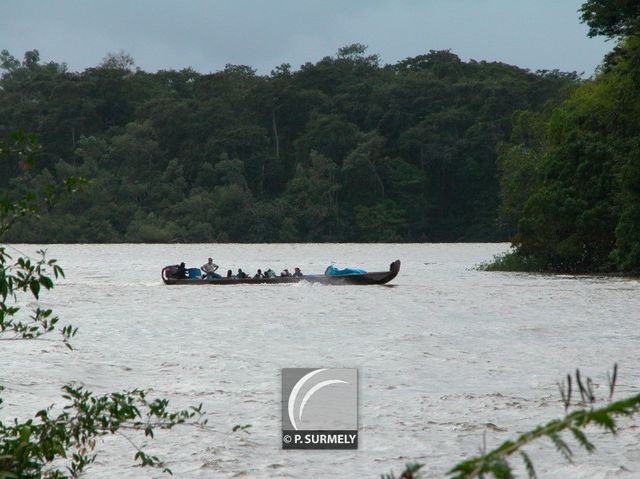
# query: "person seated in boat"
258,275
285,273
209,270
181,272
269,273
297,273
230,274
241,274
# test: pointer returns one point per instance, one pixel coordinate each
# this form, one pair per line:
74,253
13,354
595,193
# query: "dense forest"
570,175
344,149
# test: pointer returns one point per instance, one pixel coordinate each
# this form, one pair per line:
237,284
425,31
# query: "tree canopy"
343,149
611,18
570,176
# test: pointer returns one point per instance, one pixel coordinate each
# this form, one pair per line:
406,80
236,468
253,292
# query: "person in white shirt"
209,269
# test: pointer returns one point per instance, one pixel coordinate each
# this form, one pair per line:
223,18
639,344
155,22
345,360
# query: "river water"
446,355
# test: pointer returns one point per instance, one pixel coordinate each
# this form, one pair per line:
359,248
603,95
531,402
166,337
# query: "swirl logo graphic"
319,408
291,409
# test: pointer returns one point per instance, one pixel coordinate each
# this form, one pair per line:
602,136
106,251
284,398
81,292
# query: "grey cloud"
205,35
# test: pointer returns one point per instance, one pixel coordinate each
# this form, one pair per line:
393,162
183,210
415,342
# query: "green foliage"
313,190
496,463
611,18
518,163
242,428
381,222
21,277
514,261
570,177
231,155
61,445
411,471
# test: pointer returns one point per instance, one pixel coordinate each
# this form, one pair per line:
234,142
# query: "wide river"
446,355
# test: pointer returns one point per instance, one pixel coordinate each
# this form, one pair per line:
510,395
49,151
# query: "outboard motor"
168,272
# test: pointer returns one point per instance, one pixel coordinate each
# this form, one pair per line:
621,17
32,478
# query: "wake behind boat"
338,277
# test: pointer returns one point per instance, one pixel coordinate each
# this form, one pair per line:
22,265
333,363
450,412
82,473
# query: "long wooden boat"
379,277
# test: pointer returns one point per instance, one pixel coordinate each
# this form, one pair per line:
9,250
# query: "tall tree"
611,18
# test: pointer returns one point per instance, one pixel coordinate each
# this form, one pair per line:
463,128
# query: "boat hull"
379,277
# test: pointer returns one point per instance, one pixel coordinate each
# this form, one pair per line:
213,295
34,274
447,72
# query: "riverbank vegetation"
61,442
580,417
570,175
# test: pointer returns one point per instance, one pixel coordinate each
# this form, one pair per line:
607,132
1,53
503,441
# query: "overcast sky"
207,34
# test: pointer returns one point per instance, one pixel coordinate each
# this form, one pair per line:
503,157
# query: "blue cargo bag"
333,271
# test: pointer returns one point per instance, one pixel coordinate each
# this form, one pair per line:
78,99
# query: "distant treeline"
345,149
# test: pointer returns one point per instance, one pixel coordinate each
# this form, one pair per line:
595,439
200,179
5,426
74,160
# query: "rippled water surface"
444,355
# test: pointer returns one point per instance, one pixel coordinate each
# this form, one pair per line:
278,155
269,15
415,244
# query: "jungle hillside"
343,149
570,175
